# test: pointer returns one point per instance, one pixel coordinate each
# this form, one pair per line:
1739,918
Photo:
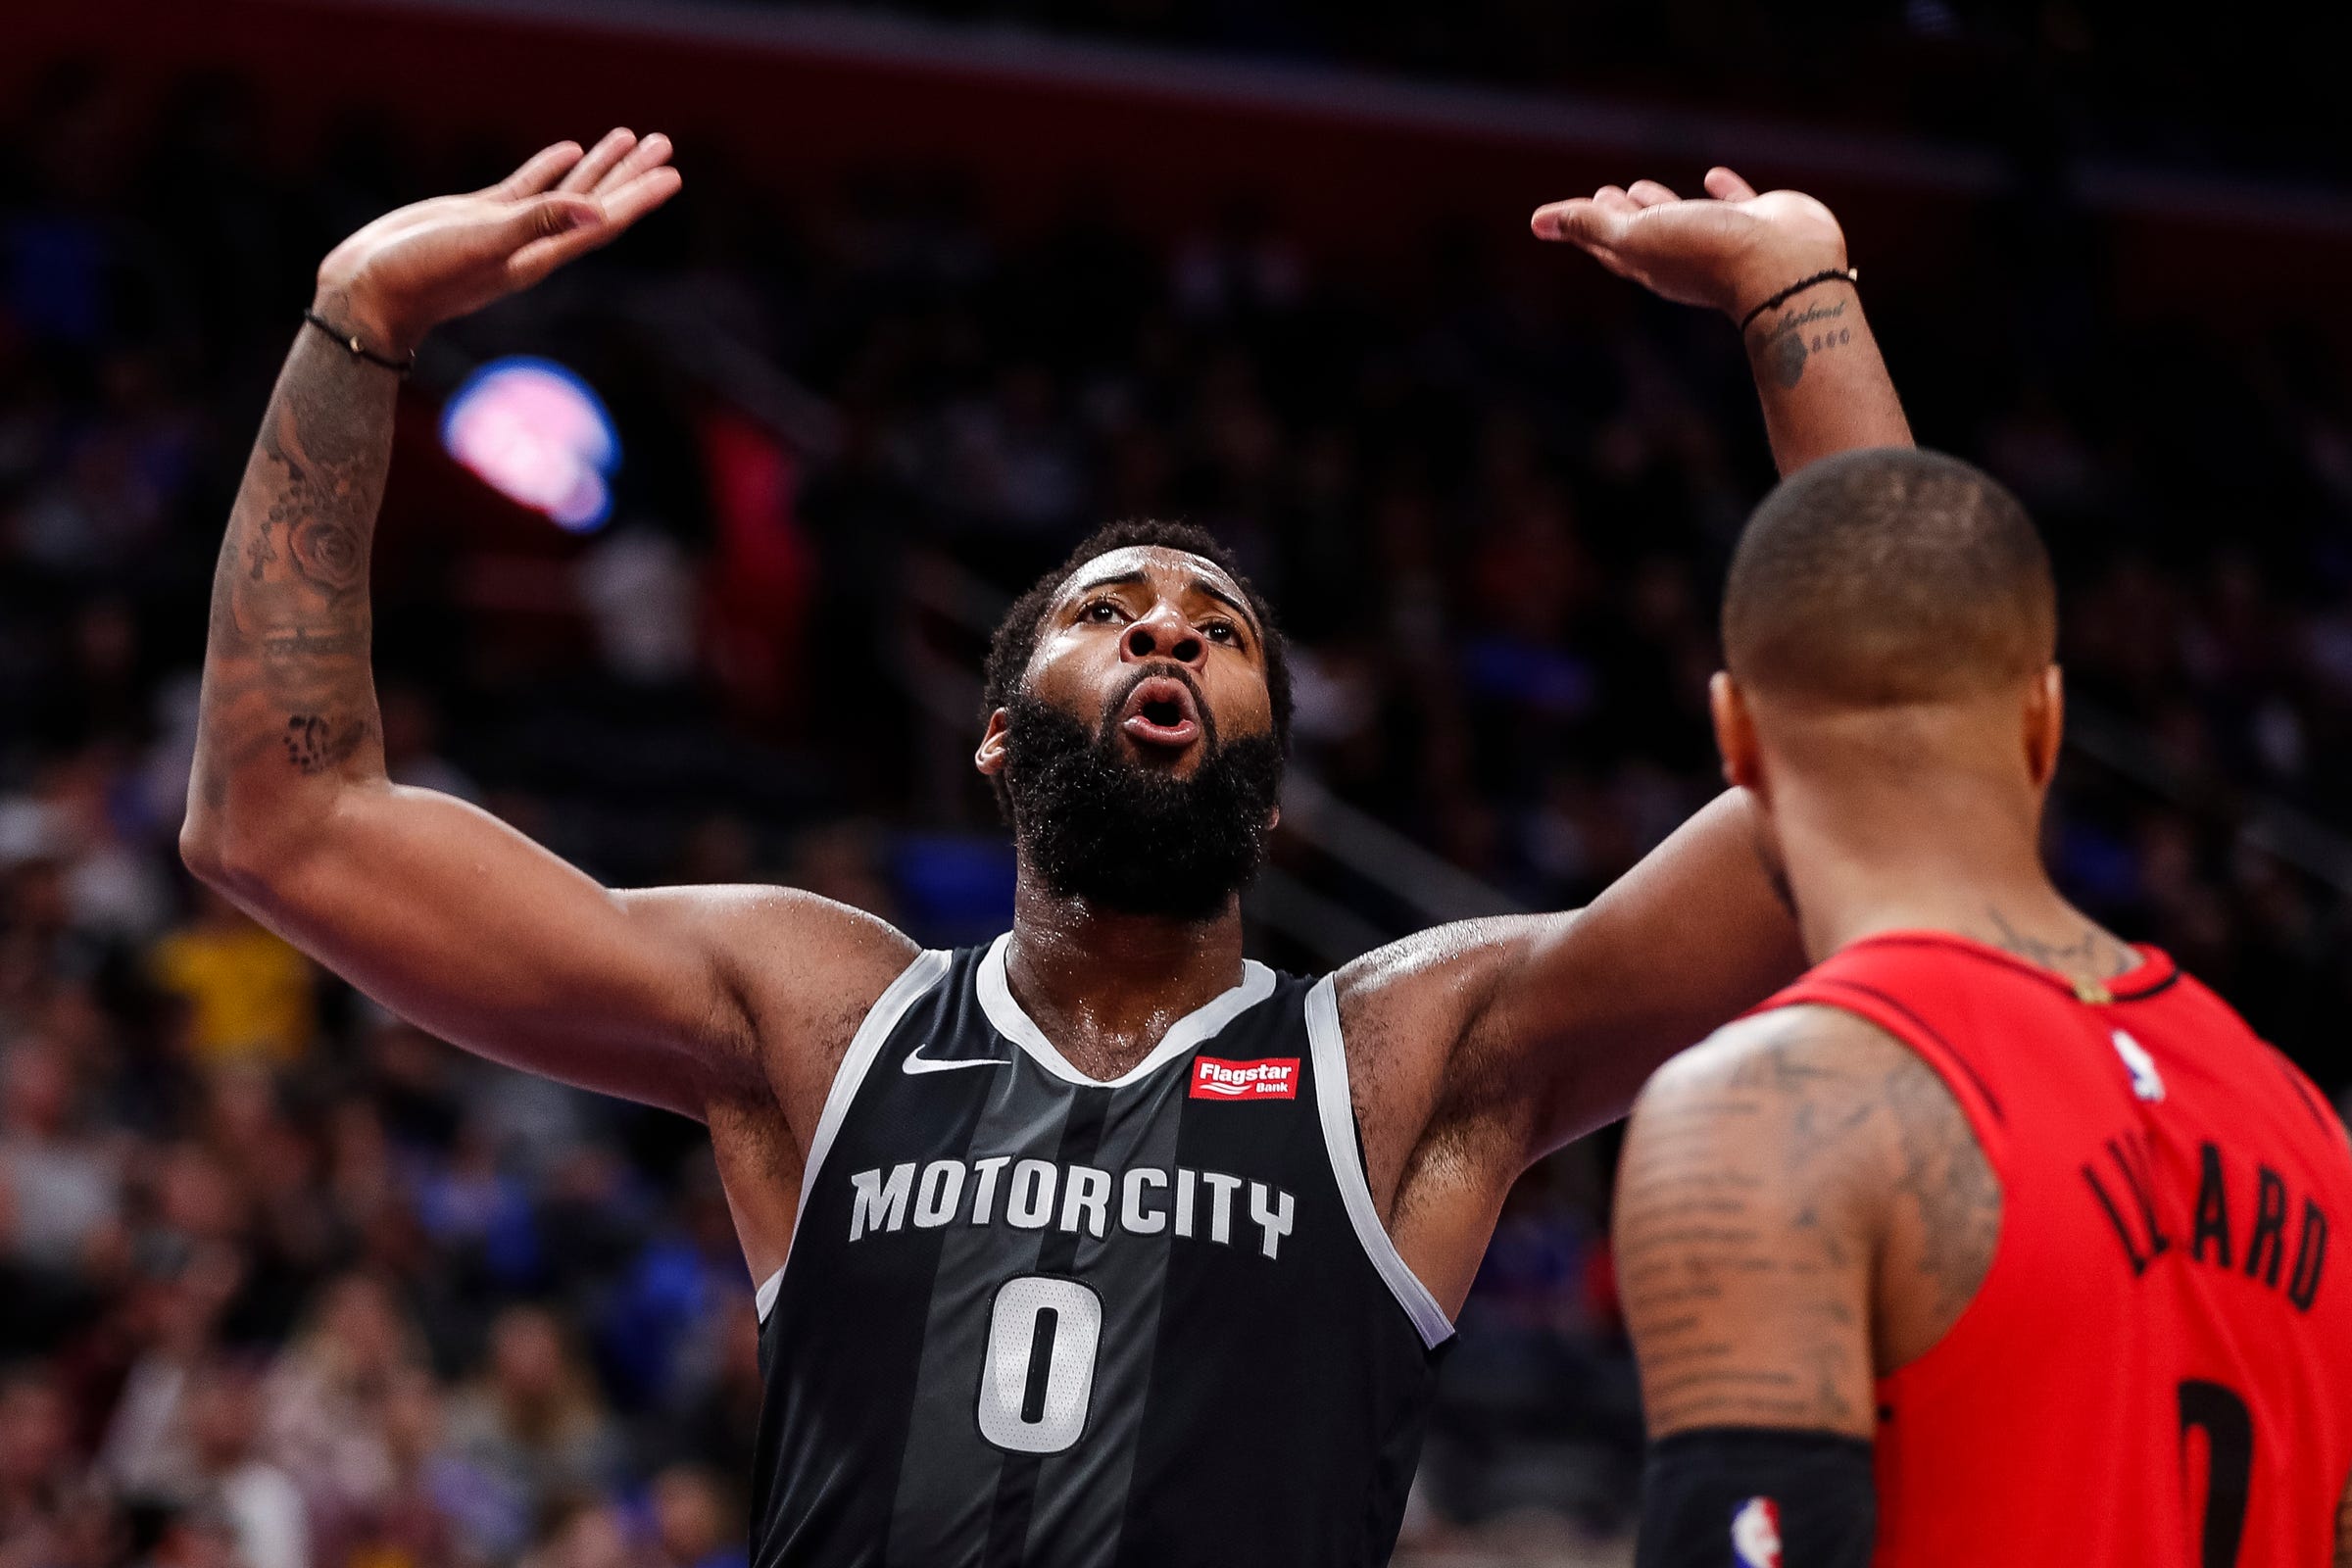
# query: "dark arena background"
690,557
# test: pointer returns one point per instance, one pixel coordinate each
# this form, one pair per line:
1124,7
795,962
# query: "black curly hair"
1015,639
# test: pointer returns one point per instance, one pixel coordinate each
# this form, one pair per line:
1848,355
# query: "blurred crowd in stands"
283,1282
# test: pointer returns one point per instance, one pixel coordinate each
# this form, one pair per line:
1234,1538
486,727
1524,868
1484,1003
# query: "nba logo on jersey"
1274,1078
1756,1533
2146,1083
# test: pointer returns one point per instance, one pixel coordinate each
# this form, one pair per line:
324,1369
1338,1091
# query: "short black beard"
1096,826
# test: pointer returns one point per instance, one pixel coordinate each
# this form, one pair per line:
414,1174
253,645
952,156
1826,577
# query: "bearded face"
1095,820
1139,754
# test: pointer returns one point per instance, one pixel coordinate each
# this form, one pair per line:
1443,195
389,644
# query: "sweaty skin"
1473,1049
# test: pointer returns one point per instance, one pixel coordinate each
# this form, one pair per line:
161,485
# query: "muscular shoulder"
794,974
1784,1068
1805,1170
1852,1112
1784,1108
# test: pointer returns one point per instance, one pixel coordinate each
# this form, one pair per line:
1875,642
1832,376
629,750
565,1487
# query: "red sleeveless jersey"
2158,1368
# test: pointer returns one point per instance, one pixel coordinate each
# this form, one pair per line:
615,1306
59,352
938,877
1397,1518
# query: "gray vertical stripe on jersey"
1017,1490
1082,1494
939,1517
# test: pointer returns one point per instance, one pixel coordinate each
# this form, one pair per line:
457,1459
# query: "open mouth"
1160,712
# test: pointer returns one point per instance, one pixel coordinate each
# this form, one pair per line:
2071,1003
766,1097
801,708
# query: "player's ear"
990,758
1735,732
2046,725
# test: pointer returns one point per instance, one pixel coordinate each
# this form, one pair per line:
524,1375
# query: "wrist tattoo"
1789,342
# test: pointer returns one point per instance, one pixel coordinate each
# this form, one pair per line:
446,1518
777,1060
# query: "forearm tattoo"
286,681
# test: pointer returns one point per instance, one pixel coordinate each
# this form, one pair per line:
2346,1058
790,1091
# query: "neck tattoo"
2094,950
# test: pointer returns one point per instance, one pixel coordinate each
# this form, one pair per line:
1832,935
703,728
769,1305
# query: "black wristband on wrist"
1755,1494
1836,275
350,343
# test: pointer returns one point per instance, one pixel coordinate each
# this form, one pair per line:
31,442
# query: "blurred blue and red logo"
539,435
1756,1533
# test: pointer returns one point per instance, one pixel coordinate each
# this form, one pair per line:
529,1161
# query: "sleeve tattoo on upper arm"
1766,1181
1701,1228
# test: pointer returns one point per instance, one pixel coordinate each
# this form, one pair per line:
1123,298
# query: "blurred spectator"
589,1535
432,1507
152,1349
692,1525
249,996
41,1470
531,1421
329,1398
262,1504
61,1178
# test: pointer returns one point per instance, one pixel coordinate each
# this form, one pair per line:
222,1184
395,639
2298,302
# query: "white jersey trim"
1186,1033
880,1020
1337,1110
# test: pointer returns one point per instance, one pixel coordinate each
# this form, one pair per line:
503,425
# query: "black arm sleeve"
1757,1498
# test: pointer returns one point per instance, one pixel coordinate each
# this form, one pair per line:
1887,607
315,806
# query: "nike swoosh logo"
915,1061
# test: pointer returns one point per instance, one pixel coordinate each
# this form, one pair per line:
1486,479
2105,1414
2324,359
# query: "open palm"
430,262
1725,251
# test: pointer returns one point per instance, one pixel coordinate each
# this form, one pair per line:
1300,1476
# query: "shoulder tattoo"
1781,1185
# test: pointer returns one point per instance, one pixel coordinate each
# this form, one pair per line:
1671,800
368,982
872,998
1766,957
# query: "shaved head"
1889,576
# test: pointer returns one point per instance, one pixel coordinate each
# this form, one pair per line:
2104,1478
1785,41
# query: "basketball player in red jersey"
1993,1239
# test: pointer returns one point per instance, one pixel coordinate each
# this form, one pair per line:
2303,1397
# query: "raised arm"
432,906
1498,1041
1559,1019
1818,372
1803,1208
1590,1004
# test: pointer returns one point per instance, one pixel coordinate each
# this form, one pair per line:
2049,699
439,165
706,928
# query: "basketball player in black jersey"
1098,1245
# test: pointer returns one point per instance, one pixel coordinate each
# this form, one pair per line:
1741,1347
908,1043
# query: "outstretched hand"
431,262
1728,254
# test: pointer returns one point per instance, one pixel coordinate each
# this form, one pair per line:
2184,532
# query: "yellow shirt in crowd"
251,997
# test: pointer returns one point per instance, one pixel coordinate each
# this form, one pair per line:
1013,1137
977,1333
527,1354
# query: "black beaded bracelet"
350,343
1836,275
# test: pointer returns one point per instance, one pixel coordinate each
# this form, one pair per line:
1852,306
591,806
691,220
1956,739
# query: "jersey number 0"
1038,1378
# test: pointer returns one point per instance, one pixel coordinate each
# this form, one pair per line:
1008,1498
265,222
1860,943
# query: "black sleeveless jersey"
1032,1320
